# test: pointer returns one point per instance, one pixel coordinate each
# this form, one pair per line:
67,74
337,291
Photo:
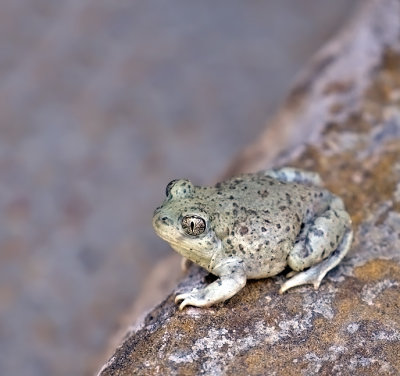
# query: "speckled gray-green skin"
256,225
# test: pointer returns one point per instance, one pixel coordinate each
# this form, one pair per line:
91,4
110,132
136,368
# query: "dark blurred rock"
350,101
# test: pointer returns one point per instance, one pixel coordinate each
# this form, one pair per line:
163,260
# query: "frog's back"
259,191
258,206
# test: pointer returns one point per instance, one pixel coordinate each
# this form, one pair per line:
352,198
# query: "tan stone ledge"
342,119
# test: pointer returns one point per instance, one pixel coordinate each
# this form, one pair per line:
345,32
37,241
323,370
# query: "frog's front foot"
232,279
195,298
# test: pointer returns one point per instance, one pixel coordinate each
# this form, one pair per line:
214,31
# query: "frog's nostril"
164,219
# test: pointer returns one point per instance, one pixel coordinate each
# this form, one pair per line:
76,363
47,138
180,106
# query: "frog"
253,226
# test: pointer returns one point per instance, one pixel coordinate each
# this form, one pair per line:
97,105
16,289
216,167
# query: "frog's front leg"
232,279
329,239
294,175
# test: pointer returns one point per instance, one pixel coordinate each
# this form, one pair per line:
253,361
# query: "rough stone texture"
348,103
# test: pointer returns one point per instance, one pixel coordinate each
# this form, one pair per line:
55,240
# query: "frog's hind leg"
328,239
294,175
315,274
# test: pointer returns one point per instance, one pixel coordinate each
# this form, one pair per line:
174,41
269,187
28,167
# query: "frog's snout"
159,219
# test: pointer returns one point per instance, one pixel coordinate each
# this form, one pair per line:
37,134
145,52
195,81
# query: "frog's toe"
180,297
184,304
291,273
194,298
192,301
308,277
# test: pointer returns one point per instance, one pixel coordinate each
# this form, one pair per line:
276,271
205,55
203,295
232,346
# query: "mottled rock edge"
348,101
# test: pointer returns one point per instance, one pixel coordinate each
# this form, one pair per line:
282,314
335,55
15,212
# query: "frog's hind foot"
316,273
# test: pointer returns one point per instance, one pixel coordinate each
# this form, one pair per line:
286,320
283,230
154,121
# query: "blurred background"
102,103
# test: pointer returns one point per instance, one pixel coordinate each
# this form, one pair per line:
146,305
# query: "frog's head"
184,222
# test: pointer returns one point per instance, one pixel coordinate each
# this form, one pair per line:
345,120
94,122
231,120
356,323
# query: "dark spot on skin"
233,233
332,244
324,253
267,242
321,194
335,214
235,212
317,232
263,194
306,249
219,193
287,228
228,241
241,247
337,238
231,197
278,225
297,217
218,185
315,195
263,229
326,215
271,183
267,221
288,198
302,198
282,208
235,205
243,230
234,252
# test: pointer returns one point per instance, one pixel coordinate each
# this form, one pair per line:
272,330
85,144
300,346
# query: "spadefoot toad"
254,226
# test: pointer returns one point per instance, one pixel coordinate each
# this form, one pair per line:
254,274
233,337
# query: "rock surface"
349,103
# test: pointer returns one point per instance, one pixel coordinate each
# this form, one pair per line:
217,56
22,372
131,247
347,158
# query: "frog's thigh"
335,227
322,238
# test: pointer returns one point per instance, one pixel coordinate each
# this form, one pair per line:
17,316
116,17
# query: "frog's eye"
169,186
193,225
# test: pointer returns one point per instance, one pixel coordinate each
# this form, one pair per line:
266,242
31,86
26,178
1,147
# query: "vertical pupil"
192,225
